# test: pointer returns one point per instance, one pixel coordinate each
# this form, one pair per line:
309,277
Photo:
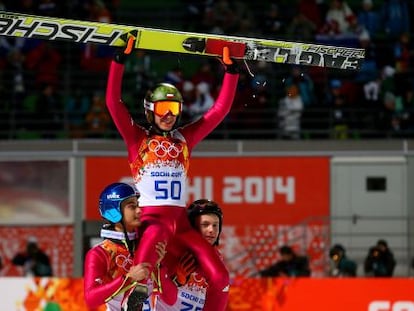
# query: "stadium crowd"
50,89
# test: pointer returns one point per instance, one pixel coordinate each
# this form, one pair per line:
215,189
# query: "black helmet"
161,92
203,207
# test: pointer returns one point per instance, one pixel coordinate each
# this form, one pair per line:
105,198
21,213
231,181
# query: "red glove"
185,267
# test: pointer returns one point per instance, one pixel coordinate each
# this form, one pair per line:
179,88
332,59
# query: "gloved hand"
122,55
230,65
185,267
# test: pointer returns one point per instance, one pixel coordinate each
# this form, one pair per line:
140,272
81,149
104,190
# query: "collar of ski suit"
116,235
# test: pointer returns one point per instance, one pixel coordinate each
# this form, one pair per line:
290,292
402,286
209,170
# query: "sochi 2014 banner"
251,190
267,202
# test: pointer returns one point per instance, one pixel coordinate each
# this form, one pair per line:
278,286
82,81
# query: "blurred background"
317,159
55,90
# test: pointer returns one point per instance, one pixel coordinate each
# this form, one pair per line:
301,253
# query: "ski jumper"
106,265
159,166
190,296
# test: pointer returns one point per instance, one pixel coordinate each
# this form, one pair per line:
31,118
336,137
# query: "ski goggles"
161,108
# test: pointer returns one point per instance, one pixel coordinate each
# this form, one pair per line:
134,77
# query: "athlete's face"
131,214
209,225
166,122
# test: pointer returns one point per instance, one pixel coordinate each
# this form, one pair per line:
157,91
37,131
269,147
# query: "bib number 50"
168,189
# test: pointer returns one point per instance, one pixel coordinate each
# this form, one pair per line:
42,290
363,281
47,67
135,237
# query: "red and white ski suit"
159,166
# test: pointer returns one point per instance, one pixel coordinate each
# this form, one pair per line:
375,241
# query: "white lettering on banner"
385,305
256,189
200,187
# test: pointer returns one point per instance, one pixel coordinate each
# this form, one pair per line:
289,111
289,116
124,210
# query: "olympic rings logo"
124,262
164,148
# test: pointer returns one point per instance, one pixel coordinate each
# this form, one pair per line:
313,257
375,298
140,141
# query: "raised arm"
130,132
198,130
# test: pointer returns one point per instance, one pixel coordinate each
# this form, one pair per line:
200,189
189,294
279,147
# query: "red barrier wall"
360,294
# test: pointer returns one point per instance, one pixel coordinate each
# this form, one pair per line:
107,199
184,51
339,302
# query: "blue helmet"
111,198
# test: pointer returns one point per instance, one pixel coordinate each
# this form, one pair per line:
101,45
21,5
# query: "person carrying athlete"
109,273
159,160
181,266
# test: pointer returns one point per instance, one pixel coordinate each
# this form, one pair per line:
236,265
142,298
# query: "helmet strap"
130,244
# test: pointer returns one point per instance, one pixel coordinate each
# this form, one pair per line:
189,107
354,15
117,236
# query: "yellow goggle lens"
163,107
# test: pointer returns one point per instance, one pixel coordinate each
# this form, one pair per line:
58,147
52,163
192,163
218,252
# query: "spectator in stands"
98,121
43,61
337,18
300,78
356,30
49,8
311,10
301,28
369,18
34,261
407,118
388,80
175,76
257,109
222,18
341,265
271,23
95,58
76,107
12,69
203,101
239,114
395,18
189,95
193,15
289,265
369,71
340,117
290,113
206,72
403,55
48,111
391,106
380,261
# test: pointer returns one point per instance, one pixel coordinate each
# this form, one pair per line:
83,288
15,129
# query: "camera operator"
341,265
380,261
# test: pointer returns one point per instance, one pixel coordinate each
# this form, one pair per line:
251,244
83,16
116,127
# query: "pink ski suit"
159,166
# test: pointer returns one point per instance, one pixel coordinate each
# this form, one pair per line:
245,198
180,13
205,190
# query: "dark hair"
382,242
337,250
203,207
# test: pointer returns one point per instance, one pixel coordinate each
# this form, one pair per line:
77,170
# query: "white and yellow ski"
285,52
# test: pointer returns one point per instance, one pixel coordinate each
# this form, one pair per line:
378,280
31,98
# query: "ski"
252,49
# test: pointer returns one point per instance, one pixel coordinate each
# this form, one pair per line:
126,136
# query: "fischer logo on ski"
51,30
